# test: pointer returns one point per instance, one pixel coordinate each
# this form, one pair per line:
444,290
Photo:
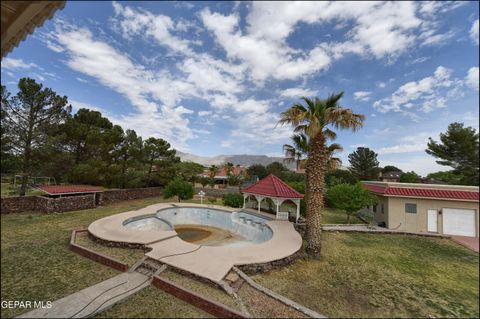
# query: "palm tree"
299,150
213,170
228,168
315,119
333,163
295,152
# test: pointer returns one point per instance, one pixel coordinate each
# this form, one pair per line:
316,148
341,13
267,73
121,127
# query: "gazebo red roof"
69,189
272,186
388,190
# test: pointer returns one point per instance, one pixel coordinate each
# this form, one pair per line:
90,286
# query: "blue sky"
212,77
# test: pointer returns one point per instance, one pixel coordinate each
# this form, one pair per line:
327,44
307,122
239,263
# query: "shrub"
180,188
349,198
212,200
233,200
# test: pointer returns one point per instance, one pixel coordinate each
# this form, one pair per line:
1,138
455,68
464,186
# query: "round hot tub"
206,226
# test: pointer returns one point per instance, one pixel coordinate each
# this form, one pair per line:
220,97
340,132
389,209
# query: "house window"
411,208
383,209
375,208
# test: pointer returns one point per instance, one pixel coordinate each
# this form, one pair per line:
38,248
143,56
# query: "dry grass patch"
373,275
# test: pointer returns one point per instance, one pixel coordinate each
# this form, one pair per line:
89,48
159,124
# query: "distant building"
221,176
392,177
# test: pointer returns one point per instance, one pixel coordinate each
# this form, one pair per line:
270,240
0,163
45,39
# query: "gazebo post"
298,210
244,198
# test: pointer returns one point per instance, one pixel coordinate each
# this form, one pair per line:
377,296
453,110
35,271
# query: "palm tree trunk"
315,170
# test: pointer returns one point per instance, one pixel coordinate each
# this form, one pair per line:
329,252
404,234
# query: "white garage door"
459,222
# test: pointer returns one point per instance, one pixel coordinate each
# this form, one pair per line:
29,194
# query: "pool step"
148,267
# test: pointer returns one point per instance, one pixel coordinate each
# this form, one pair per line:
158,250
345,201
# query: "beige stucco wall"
378,216
398,219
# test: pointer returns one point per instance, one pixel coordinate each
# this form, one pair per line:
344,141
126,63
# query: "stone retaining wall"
9,205
217,192
110,196
41,204
20,204
264,267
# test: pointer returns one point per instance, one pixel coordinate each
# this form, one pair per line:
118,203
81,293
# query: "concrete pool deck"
211,262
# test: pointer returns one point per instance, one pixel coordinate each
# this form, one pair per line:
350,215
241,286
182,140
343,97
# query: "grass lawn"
6,190
335,216
36,263
373,275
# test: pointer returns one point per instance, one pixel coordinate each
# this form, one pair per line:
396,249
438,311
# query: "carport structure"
277,190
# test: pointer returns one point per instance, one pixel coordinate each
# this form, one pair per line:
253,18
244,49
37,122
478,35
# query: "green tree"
160,161
276,168
129,156
410,177
316,119
9,162
233,180
449,177
390,168
213,170
257,170
204,181
340,176
458,148
189,171
180,188
233,200
349,198
364,164
29,114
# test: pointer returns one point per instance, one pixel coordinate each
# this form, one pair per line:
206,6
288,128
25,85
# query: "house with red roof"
277,190
426,208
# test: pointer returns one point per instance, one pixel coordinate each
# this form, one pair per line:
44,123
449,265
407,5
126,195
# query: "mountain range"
243,159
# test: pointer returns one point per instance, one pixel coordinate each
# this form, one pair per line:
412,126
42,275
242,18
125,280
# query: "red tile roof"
387,190
272,186
69,189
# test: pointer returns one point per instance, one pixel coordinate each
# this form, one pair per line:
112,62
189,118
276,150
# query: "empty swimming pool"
206,226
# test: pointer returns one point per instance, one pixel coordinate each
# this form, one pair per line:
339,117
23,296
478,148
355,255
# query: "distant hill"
244,160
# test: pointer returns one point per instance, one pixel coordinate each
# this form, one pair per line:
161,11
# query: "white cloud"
421,164
159,27
226,144
76,105
298,92
81,80
474,31
204,113
381,85
472,79
155,95
425,94
402,148
362,95
12,64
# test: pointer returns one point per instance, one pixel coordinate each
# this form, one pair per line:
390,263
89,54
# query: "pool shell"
211,262
249,228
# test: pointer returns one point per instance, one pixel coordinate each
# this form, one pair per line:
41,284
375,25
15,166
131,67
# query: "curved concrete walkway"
212,262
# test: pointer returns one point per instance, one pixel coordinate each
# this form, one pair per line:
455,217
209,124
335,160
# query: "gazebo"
274,188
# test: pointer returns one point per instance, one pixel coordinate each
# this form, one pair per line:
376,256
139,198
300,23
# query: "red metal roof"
423,192
272,186
69,189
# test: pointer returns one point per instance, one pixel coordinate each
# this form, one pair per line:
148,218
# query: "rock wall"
18,204
110,196
41,204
